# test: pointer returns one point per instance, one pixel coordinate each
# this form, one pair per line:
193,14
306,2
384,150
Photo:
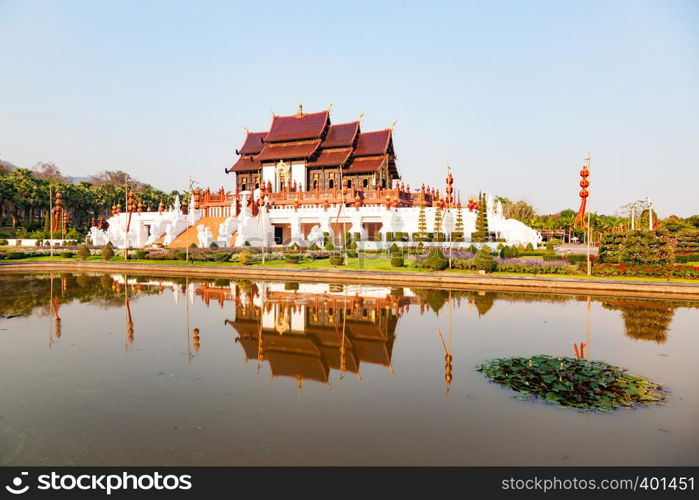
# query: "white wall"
298,174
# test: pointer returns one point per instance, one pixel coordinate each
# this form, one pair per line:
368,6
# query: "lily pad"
575,383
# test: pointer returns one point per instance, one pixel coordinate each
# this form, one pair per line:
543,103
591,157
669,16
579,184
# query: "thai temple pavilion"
307,181
306,152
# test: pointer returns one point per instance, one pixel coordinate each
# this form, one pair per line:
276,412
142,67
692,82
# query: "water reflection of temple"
305,330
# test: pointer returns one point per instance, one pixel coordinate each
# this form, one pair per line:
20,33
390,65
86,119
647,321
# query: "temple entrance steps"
190,235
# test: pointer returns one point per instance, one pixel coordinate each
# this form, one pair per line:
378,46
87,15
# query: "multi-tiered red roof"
311,137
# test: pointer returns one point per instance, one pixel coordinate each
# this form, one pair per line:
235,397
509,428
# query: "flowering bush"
667,271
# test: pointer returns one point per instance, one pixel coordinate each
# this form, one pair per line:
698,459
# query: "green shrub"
4,242
313,247
436,260
687,242
576,258
73,234
180,255
245,257
16,255
464,264
83,252
472,249
336,260
637,247
394,249
193,245
107,251
552,256
140,254
329,246
352,254
484,260
690,257
293,258
67,254
397,260
293,247
529,247
549,246
246,244
533,253
38,243
509,252
357,237
213,245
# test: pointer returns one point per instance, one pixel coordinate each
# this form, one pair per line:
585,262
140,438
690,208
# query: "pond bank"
575,286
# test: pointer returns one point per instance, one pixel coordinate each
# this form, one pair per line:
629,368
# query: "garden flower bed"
650,271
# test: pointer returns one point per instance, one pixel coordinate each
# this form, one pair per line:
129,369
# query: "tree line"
25,198
24,204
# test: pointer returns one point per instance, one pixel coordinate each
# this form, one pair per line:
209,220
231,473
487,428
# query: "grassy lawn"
371,263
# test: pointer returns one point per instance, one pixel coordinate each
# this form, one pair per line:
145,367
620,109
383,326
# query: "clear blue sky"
512,94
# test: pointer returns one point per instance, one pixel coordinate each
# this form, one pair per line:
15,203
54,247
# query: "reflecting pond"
99,369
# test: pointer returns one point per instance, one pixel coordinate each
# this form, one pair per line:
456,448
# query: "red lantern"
584,193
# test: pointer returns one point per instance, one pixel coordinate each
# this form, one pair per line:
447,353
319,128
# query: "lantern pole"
51,218
589,228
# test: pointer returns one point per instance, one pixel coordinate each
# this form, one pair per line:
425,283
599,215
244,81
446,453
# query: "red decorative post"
580,217
57,211
450,190
584,193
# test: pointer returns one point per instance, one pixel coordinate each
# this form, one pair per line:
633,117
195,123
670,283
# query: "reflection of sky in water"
271,378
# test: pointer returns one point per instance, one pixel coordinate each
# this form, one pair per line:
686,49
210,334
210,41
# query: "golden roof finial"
330,106
247,130
393,125
273,115
300,108
360,117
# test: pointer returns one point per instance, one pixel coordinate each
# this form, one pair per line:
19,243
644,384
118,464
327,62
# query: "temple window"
365,183
315,183
243,187
383,183
349,183
331,183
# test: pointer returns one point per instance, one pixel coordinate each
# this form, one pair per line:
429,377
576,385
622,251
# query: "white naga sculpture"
204,236
316,236
260,229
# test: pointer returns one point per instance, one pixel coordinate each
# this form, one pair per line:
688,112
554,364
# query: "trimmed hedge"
690,257
637,247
